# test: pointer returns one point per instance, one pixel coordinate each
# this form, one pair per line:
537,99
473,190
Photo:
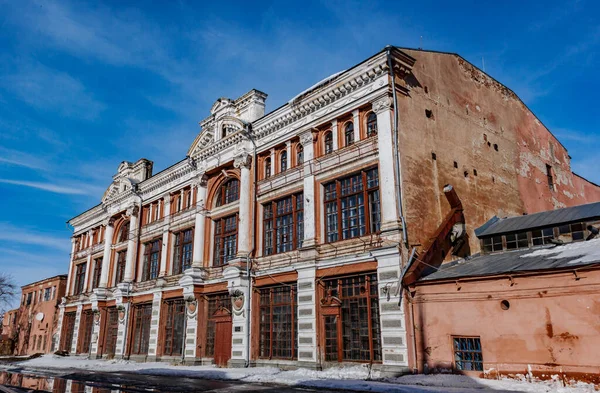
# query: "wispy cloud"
24,236
58,189
48,89
19,158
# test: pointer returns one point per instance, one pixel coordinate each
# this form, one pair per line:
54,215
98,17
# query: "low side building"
530,304
32,327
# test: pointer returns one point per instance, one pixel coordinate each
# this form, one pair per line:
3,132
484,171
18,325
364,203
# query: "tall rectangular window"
353,333
47,294
467,353
283,224
550,177
97,273
174,327
142,315
79,278
278,322
225,240
184,244
151,264
121,263
352,206
87,326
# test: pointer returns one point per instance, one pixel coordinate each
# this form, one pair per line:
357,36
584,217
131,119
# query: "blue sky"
86,85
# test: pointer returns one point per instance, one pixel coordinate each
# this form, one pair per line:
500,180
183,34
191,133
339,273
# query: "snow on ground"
351,378
586,252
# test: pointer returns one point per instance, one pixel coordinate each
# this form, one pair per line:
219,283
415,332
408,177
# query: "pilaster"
306,139
238,286
108,236
243,161
131,243
76,330
96,333
334,134
357,125
154,324
198,251
124,313
307,320
61,316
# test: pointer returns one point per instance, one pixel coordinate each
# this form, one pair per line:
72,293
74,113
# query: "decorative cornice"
382,104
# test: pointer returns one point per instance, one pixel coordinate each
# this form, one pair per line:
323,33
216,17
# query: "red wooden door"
222,339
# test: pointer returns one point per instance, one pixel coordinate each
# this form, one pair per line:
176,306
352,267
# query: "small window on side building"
467,353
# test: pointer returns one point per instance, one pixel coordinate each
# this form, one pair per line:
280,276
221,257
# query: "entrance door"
67,331
222,337
111,331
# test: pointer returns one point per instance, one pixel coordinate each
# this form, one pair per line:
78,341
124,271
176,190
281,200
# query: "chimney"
251,106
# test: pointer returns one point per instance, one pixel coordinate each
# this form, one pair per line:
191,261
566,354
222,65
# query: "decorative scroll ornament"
306,138
382,104
191,305
242,161
237,301
133,211
96,316
121,313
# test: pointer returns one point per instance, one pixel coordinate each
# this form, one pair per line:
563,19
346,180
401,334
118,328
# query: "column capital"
382,104
133,211
307,137
242,160
201,180
109,222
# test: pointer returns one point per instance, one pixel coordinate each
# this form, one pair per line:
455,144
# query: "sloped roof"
495,225
554,257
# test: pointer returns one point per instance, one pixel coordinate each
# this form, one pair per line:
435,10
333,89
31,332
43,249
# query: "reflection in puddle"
54,384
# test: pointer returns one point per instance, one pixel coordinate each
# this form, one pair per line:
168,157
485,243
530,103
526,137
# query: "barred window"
228,192
182,256
278,323
79,278
354,332
352,206
328,143
174,326
121,262
151,264
371,124
216,302
225,240
467,353
283,224
349,134
97,273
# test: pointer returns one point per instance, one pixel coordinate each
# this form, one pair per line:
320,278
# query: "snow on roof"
584,252
315,86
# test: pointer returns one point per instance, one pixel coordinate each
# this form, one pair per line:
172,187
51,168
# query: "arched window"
228,192
349,134
328,142
299,154
371,124
283,161
267,167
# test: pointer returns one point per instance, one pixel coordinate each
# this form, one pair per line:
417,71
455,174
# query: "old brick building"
279,239
32,327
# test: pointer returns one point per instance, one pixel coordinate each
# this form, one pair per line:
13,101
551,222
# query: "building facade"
279,240
32,327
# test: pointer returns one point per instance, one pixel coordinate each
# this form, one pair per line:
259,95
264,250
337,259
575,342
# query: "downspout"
248,133
397,173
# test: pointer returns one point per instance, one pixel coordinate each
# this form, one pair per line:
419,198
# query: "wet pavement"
18,380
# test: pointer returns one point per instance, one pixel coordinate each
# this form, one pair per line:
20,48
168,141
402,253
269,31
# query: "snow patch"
585,252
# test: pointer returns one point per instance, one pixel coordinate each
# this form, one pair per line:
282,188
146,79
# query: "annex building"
280,238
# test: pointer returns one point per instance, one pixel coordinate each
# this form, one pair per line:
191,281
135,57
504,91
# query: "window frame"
478,364
372,219
283,161
174,311
349,133
270,307
327,142
371,128
182,256
149,271
271,225
220,235
268,167
124,232
120,265
224,194
97,272
299,154
79,284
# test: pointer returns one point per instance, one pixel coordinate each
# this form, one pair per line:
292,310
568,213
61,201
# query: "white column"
122,329
306,139
61,316
198,253
392,319
273,162
307,319
108,235
238,286
334,134
356,121
71,273
76,330
288,149
243,162
131,244
88,267
389,212
164,254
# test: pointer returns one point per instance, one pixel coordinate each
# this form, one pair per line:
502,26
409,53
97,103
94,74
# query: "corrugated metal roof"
513,261
590,211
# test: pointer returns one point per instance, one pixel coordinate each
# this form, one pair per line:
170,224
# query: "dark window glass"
346,213
225,240
97,273
550,177
229,192
283,224
349,134
174,326
182,256
328,142
467,354
371,124
283,164
124,232
267,167
299,154
542,236
79,278
87,325
516,240
278,323
152,251
121,262
142,315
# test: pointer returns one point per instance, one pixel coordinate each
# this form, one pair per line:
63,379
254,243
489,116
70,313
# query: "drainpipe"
398,174
248,133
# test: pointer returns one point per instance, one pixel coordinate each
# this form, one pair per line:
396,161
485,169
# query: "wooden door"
67,331
111,331
222,338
